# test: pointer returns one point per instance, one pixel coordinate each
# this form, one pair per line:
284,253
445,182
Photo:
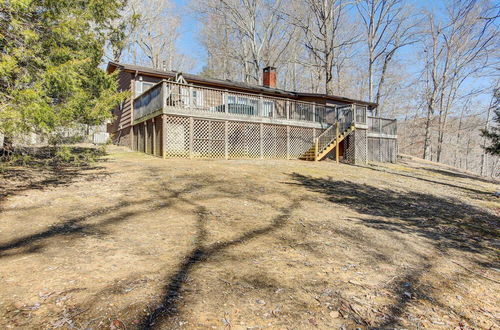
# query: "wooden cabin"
172,114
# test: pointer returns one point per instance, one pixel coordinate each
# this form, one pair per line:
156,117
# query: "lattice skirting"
356,148
188,137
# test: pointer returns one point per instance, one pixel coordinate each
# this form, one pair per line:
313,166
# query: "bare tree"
155,36
253,33
325,36
457,49
389,25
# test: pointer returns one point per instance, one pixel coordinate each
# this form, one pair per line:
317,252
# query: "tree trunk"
370,79
328,74
381,82
458,137
427,138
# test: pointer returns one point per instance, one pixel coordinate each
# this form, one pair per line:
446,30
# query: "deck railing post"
314,111
226,103
287,109
190,98
260,107
164,95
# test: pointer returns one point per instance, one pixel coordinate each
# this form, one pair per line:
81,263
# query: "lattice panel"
318,131
243,140
301,139
361,148
201,138
274,141
356,147
176,131
208,139
217,135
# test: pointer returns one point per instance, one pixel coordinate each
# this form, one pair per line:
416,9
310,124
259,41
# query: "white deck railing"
203,100
382,126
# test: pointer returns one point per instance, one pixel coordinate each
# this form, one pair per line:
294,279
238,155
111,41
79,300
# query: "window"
231,99
142,86
197,98
268,107
185,96
138,88
241,105
146,86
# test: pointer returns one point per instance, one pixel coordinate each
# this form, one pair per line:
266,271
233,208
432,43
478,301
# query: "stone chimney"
269,77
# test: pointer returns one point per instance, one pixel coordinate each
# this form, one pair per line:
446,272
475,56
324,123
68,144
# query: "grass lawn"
134,241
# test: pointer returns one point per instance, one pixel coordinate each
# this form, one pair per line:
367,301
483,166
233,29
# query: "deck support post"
316,149
337,145
287,142
261,139
191,132
154,137
226,140
145,137
164,135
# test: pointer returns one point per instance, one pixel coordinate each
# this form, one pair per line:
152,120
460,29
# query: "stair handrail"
325,138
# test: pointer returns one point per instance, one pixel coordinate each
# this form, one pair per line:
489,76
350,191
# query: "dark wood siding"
120,127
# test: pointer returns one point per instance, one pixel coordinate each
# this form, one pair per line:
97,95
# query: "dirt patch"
150,243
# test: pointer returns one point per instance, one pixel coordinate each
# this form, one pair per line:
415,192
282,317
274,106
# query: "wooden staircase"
328,140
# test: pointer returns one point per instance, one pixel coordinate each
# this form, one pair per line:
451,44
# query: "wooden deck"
174,119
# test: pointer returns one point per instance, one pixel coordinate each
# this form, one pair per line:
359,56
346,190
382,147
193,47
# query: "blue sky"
188,42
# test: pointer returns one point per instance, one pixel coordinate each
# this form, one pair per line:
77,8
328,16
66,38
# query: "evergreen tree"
493,134
50,52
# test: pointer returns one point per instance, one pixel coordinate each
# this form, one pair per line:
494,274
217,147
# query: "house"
171,114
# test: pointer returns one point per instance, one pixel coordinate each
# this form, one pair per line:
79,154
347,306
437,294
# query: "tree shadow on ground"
448,222
458,175
41,168
469,190
79,226
201,254
203,251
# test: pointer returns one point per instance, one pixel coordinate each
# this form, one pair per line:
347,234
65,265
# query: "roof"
229,83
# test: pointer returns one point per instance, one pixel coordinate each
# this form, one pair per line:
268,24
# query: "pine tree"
493,134
50,52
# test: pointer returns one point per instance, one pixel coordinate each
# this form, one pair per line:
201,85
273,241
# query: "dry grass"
139,242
